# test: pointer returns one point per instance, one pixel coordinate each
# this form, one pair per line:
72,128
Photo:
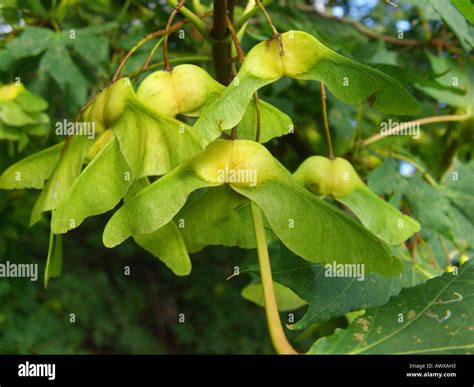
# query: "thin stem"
445,249
248,14
193,18
269,19
257,110
141,42
175,11
428,250
277,334
325,120
151,53
417,166
421,121
359,27
236,41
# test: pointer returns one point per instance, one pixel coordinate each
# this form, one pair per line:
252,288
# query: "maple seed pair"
324,177
184,90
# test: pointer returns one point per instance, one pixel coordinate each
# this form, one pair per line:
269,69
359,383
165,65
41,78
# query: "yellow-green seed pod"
117,96
96,111
242,163
267,60
323,176
184,90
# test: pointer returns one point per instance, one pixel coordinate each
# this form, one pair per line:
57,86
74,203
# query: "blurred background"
139,313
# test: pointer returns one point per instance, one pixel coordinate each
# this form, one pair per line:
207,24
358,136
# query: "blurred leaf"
455,21
464,8
59,65
32,42
32,171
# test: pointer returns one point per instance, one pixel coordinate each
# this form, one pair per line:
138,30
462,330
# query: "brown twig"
167,66
150,55
145,39
236,41
428,250
221,52
268,18
275,34
325,120
445,249
377,36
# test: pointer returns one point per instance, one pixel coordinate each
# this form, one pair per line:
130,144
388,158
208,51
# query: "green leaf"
355,83
328,297
32,42
453,215
154,144
452,86
30,102
12,114
62,177
54,262
459,188
90,44
227,110
219,217
316,231
11,133
432,318
168,245
286,299
32,171
99,188
379,217
465,9
306,224
58,63
273,122
308,59
153,207
455,21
